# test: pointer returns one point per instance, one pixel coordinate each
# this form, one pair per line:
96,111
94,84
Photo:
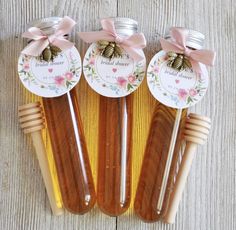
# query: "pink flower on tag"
182,93
69,75
164,58
131,78
156,69
59,80
121,81
92,61
26,67
192,92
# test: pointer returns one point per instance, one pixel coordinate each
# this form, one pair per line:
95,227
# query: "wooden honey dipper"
32,121
195,133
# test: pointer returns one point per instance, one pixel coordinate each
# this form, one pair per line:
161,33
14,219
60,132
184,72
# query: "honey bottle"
176,85
50,67
114,66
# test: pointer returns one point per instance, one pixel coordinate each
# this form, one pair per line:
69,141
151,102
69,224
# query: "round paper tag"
116,77
50,79
176,89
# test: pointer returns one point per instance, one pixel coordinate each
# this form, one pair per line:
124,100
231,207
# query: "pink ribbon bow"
198,58
40,40
130,44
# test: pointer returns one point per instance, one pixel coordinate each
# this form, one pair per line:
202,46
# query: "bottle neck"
125,26
194,39
47,25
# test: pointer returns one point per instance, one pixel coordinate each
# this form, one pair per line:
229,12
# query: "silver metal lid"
125,26
47,25
195,39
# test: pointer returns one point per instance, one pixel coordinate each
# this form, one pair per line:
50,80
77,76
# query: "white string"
169,160
75,126
123,153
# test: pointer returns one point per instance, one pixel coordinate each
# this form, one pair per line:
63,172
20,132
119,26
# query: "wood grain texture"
209,200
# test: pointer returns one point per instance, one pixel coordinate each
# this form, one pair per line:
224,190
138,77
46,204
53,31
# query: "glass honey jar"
114,74
175,85
53,74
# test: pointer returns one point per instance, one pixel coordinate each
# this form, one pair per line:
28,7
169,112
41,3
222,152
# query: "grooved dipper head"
197,128
31,117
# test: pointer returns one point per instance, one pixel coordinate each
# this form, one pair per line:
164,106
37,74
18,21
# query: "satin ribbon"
198,58
130,44
40,40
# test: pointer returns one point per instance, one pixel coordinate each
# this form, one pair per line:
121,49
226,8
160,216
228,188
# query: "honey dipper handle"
43,163
181,179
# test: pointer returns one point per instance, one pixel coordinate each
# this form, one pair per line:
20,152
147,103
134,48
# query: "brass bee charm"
178,61
49,53
109,49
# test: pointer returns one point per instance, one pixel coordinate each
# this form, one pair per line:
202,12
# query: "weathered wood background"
209,201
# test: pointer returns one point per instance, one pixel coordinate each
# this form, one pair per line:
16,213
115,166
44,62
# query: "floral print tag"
50,79
115,77
176,89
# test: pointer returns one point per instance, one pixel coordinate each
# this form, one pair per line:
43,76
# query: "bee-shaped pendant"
49,53
178,61
109,49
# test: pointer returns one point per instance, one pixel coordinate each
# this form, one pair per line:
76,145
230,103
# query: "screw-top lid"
125,26
47,25
195,39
